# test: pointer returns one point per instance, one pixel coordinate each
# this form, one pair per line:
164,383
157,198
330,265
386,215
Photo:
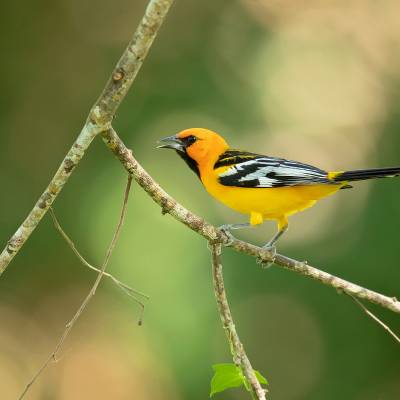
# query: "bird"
261,186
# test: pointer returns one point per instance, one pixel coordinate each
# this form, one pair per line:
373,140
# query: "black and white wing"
258,171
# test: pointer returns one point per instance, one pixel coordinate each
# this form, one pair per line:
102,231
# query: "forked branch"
99,122
99,119
54,355
211,233
132,293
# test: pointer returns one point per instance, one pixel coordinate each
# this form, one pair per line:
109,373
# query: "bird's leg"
226,229
283,226
275,238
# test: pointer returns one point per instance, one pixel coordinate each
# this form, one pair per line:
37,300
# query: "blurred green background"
310,80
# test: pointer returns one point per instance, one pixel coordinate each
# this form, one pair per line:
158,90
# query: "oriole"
264,187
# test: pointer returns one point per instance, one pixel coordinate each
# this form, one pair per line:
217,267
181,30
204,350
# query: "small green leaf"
230,376
260,378
226,376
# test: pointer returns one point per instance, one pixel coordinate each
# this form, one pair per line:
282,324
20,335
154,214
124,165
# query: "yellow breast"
271,203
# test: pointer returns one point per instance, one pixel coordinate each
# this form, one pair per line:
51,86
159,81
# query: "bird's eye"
190,140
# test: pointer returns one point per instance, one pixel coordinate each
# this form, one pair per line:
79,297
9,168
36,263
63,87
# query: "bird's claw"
225,230
266,264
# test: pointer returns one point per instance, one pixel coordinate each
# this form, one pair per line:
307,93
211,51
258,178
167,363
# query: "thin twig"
54,355
124,287
376,319
169,205
238,353
99,119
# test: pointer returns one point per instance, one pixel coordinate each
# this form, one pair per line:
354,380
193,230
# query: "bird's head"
199,144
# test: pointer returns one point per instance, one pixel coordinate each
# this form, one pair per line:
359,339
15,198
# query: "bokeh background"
312,80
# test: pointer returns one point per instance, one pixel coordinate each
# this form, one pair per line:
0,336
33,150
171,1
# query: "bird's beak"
171,142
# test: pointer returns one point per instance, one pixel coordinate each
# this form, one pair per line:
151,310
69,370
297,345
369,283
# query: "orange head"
197,146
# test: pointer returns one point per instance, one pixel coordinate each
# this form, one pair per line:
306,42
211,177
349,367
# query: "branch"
99,119
54,355
238,353
376,319
211,233
132,293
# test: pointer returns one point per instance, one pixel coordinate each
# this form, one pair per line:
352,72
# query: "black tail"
362,174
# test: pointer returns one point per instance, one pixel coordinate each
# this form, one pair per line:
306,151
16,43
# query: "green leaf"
260,378
226,376
230,376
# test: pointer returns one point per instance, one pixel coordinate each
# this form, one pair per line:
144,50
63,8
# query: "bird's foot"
225,229
272,250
